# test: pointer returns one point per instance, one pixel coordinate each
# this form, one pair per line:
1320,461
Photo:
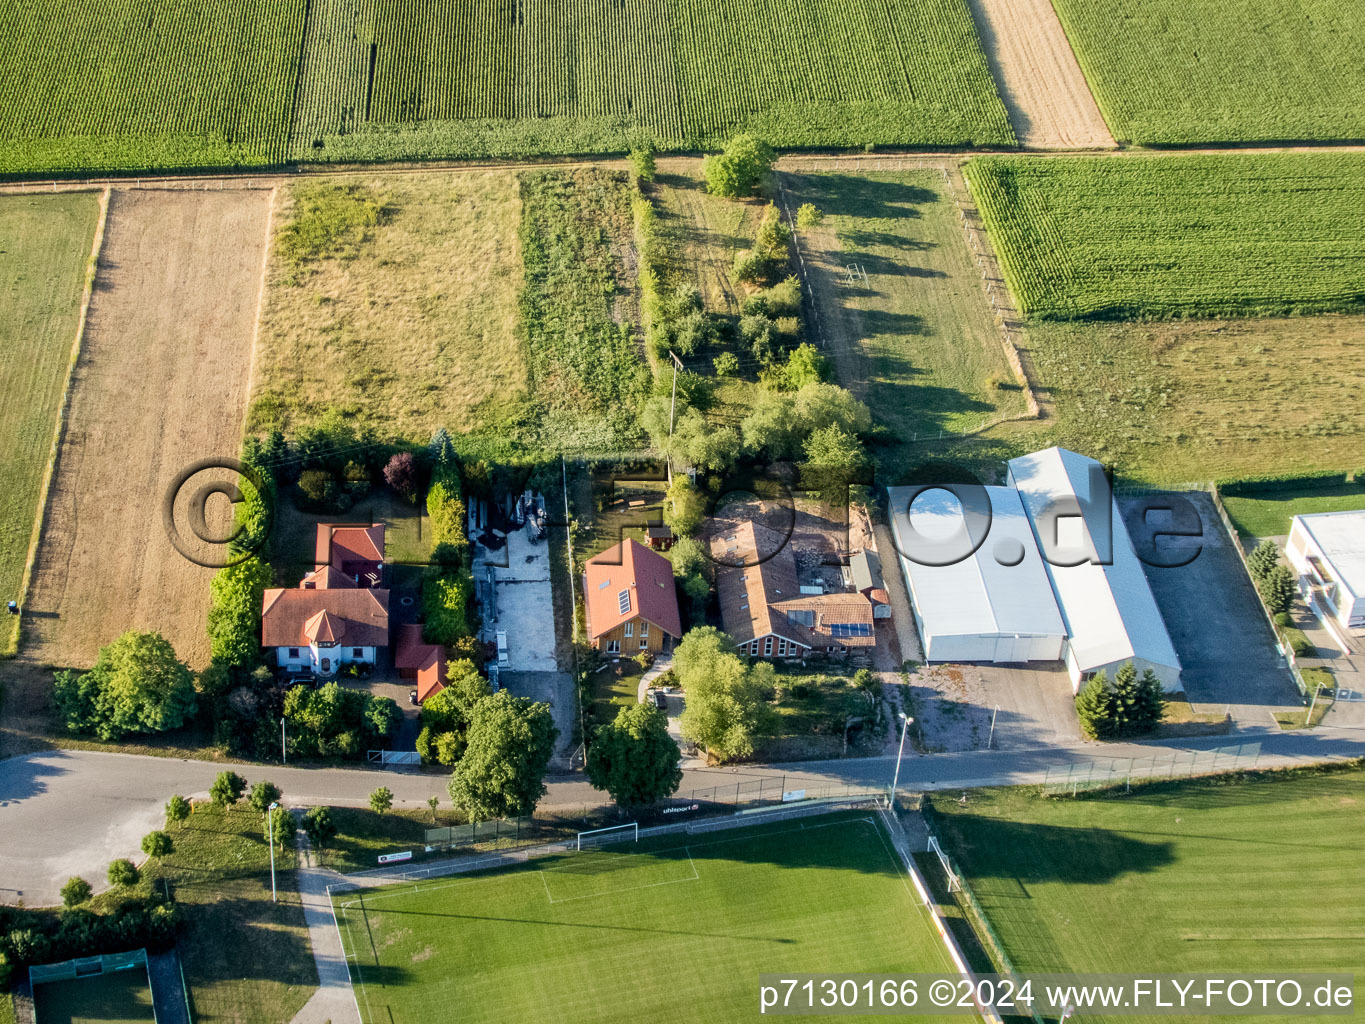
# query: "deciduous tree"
509,745
740,169
633,758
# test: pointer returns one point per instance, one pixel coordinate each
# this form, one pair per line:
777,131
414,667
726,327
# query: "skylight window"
623,600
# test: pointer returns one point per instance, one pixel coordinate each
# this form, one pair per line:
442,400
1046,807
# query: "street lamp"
270,825
283,755
895,781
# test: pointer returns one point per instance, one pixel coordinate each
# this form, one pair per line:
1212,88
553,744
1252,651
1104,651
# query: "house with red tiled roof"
353,551
420,661
764,608
631,600
338,615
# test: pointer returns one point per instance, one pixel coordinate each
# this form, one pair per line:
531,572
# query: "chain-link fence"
1178,764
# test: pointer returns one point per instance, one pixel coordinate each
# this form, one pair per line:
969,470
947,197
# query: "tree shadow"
855,196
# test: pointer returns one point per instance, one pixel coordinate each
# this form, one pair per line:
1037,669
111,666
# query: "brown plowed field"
161,383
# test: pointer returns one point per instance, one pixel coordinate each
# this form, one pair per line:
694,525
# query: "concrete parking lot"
955,705
1228,657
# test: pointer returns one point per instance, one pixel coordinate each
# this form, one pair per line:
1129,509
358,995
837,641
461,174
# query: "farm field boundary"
1226,235
38,510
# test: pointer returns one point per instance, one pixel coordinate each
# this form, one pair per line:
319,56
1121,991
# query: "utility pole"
283,755
990,742
270,825
895,780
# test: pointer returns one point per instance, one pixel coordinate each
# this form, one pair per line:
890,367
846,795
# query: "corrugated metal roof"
1109,610
977,595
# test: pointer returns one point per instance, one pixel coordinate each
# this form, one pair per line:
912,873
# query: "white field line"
949,943
349,956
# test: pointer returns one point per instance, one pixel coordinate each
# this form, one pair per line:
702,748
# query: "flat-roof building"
1327,550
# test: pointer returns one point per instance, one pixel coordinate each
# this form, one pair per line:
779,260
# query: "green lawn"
407,538
1190,71
1268,514
612,691
45,244
677,928
246,959
1129,237
1187,877
916,340
124,997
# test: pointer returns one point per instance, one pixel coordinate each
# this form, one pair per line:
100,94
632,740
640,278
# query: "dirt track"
161,383
1048,99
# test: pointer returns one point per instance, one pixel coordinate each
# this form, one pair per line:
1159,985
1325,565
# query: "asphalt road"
69,812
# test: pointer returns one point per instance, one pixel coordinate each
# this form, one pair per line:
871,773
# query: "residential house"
763,606
631,600
354,551
338,615
1327,551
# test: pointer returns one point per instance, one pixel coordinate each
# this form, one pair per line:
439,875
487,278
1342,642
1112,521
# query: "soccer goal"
954,879
629,833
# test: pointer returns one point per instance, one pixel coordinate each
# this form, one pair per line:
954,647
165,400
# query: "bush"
381,800
749,268
157,844
400,473
446,508
75,892
263,794
123,873
642,164
234,623
809,216
726,364
445,606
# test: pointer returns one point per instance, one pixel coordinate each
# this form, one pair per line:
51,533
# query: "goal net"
629,833
954,879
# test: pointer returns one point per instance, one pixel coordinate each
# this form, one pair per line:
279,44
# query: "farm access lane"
68,812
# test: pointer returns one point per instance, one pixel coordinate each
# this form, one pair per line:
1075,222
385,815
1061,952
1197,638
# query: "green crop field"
1196,876
122,997
1170,236
675,928
45,244
1188,71
90,86
385,79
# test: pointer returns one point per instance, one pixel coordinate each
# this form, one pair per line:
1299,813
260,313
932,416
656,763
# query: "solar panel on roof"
844,630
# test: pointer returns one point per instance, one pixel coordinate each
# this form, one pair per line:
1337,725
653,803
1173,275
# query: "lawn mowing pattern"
116,997
1200,876
1268,513
45,244
674,928
94,85
388,79
1180,72
1142,237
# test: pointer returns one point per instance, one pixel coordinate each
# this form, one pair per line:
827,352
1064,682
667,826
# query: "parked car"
412,697
660,700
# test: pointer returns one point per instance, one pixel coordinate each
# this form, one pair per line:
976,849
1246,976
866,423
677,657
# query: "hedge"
1282,482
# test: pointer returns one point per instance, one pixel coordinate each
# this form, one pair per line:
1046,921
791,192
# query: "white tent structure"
994,605
1111,616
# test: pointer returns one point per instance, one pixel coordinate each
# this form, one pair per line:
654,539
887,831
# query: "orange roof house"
628,589
762,606
353,551
416,659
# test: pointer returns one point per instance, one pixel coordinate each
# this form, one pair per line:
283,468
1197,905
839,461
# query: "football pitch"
1198,877
123,996
674,928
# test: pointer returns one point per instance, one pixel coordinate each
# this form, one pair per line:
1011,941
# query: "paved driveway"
525,602
1227,652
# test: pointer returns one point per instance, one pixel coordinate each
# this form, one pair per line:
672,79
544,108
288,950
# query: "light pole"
270,826
283,754
991,742
895,781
